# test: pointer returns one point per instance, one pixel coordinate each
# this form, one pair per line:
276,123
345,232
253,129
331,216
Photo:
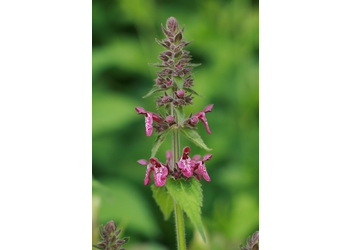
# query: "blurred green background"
226,42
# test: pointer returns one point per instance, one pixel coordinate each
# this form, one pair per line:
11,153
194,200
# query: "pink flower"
185,164
149,117
201,116
148,171
200,169
160,171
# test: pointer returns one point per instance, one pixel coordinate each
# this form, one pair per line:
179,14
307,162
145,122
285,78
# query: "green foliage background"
226,42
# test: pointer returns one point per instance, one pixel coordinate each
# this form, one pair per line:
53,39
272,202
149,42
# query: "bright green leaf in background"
188,194
164,200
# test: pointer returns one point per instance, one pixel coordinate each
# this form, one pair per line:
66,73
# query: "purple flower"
149,117
200,169
201,116
185,164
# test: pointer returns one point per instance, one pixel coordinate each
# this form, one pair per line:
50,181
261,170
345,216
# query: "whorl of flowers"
175,82
109,237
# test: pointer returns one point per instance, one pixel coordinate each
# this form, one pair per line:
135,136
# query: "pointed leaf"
164,200
162,44
158,65
192,91
159,140
153,90
188,43
188,194
193,136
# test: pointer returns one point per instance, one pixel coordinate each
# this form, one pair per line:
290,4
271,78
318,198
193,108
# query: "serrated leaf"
153,90
159,140
188,194
193,136
192,91
164,200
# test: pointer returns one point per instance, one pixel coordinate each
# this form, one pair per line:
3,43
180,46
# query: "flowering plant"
176,182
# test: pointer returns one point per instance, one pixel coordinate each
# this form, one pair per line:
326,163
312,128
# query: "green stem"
179,220
180,227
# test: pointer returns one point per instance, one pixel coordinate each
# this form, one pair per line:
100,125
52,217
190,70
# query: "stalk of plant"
176,182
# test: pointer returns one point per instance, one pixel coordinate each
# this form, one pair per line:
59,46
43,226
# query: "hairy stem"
180,227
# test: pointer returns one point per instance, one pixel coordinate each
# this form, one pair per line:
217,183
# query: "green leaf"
158,65
164,200
193,136
153,90
192,91
159,140
188,194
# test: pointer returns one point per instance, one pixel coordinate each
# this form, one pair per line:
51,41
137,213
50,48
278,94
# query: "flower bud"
165,99
180,93
159,80
176,174
194,120
170,119
172,25
168,82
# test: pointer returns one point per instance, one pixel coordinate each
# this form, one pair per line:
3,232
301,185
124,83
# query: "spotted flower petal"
148,171
149,117
185,164
148,175
160,172
201,169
